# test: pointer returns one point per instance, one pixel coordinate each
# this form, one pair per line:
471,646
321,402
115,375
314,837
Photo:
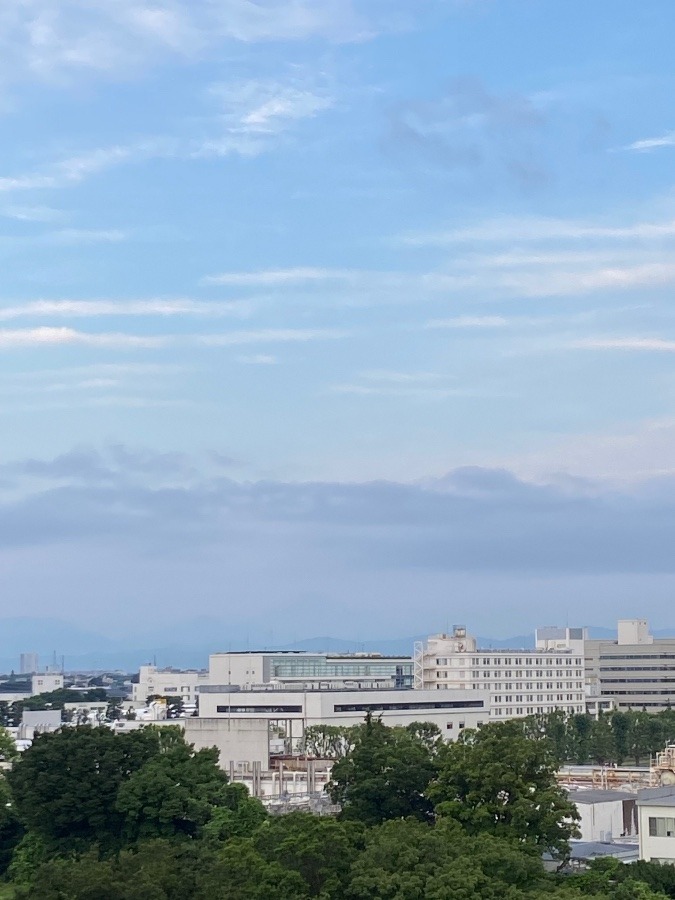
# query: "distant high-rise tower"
28,663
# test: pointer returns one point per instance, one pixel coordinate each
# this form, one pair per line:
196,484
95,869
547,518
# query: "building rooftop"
660,796
599,796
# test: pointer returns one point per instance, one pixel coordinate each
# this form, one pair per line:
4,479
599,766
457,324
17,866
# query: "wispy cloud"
626,343
267,107
151,307
57,39
258,359
274,277
536,229
272,336
468,322
42,214
647,144
49,336
393,377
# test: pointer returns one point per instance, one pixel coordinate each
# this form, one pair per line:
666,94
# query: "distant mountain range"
189,645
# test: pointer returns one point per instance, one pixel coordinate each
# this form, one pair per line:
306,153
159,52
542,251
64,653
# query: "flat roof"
668,800
599,796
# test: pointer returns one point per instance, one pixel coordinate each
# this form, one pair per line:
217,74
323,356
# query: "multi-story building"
636,671
154,682
296,667
245,723
28,663
519,682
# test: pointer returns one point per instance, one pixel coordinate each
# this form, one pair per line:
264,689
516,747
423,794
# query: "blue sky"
346,317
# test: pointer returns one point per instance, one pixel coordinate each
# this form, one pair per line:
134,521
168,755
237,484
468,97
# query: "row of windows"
509,661
528,710
529,698
670,681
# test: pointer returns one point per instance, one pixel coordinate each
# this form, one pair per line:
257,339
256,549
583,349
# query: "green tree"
406,859
320,849
65,785
621,726
241,816
172,794
383,776
601,745
498,781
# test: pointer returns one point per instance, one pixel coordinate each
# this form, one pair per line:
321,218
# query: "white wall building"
519,682
606,815
656,812
288,712
297,667
44,683
635,671
168,683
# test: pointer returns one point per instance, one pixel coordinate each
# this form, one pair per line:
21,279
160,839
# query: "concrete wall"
238,740
598,820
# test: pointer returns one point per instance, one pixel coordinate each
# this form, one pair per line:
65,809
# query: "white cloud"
538,229
151,307
420,393
274,277
49,336
267,107
271,336
468,322
32,213
385,375
57,39
626,343
258,359
86,236
647,144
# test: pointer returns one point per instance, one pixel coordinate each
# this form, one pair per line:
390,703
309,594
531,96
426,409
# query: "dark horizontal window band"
259,709
384,707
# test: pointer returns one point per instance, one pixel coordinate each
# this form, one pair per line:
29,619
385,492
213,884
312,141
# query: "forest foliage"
93,815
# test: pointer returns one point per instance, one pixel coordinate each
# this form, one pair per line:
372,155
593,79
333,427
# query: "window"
450,726
660,826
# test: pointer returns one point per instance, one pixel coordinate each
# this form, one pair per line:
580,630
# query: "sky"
345,317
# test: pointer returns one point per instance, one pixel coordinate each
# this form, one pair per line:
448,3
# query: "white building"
292,667
46,682
656,812
635,671
243,721
606,815
519,682
154,682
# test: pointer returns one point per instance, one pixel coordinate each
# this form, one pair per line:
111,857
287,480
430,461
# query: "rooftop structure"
293,667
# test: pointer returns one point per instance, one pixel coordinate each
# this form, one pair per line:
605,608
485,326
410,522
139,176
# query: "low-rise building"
46,682
519,682
656,813
179,683
605,815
